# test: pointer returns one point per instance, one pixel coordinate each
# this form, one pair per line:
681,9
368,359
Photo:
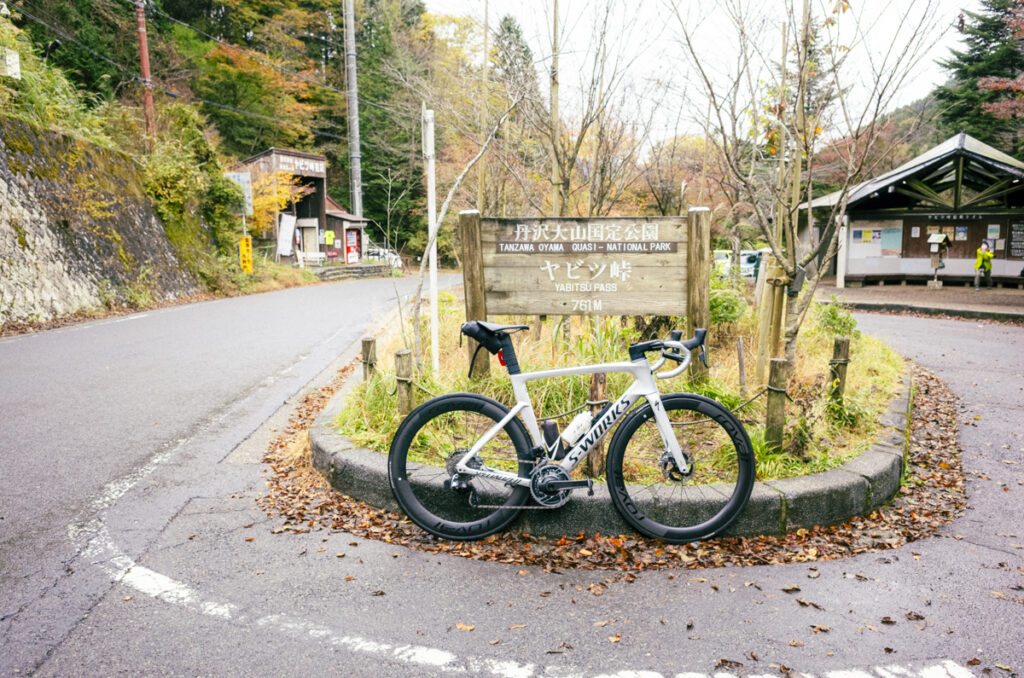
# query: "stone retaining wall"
77,229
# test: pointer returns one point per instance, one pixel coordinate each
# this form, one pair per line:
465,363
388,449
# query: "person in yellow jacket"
983,266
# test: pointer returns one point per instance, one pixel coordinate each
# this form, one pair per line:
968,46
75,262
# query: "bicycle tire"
420,467
681,509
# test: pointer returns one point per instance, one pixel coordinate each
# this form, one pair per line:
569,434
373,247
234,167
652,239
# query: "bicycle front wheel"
425,451
661,500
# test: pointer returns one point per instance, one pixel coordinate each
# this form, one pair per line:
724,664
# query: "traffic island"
776,507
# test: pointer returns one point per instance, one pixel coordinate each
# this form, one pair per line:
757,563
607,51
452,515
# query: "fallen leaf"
339,555
350,578
889,650
913,616
494,642
604,623
728,664
465,627
616,638
888,620
1004,667
586,552
796,643
517,626
524,572
127,598
792,589
249,538
807,603
973,662
820,628
377,593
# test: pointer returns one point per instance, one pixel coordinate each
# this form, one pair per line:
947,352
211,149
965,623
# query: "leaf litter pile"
932,495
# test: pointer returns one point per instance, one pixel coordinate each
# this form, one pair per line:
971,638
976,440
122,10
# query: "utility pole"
483,117
428,157
354,154
556,175
147,82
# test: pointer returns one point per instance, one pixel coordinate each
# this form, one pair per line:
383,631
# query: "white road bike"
679,467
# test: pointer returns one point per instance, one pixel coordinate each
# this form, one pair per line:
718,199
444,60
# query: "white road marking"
162,587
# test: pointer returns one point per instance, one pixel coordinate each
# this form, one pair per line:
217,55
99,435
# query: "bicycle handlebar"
683,357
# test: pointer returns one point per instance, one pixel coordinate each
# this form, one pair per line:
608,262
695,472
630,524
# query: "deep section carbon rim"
421,467
662,501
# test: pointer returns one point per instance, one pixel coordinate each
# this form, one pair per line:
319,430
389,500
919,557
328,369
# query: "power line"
193,97
267,61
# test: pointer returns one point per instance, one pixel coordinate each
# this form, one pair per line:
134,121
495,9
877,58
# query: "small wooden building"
345,233
962,188
309,212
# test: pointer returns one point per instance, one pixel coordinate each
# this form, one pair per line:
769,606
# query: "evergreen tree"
991,49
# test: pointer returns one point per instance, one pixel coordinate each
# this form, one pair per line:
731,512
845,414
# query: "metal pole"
428,157
147,82
354,154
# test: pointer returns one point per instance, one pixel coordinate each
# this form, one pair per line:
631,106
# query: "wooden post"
698,283
473,282
595,458
403,372
742,360
840,359
775,415
538,325
369,357
765,313
778,314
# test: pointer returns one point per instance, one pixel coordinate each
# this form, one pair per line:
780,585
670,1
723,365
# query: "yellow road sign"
245,254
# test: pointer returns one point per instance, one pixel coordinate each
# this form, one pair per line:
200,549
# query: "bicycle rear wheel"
650,491
422,459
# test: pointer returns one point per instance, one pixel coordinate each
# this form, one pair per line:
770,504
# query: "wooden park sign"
576,266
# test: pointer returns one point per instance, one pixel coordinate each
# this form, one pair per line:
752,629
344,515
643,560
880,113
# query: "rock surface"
77,230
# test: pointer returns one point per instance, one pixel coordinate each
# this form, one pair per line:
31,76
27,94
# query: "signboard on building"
1015,248
585,266
285,235
300,165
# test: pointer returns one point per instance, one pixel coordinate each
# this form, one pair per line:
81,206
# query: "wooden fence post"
473,282
369,357
840,359
775,415
403,372
698,280
765,314
595,458
742,360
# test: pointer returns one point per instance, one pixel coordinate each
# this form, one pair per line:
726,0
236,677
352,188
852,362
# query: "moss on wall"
79,215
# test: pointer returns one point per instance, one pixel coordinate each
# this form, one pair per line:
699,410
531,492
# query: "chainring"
548,498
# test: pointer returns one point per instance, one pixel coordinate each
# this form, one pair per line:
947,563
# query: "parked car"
748,262
376,252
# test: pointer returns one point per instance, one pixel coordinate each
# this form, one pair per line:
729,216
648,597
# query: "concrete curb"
776,507
971,314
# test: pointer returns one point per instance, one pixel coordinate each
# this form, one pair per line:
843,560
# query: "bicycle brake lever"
704,358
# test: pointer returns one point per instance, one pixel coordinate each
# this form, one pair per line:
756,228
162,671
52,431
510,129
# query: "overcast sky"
646,36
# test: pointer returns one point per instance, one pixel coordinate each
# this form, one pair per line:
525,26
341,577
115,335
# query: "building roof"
283,151
334,209
959,173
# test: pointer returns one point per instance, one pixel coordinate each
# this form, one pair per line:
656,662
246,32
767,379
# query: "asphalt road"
131,542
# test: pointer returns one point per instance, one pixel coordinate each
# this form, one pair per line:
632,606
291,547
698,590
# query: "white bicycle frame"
644,385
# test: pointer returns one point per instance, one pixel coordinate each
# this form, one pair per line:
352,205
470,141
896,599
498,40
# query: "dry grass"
829,439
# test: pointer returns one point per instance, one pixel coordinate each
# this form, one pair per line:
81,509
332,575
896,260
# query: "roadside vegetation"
820,437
